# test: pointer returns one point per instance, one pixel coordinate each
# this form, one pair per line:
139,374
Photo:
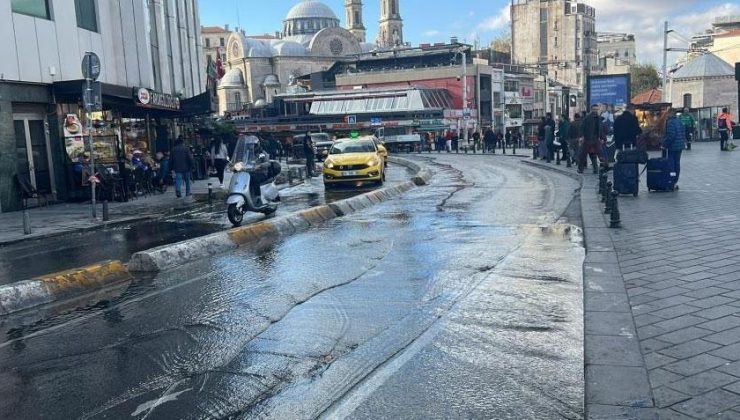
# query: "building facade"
616,53
213,40
390,33
556,35
353,10
152,48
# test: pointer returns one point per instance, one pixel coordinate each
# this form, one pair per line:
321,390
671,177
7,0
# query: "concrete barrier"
25,294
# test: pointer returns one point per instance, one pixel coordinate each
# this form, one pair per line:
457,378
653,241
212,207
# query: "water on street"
461,299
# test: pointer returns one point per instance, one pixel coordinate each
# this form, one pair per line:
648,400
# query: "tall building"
390,32
723,40
151,71
213,39
354,18
557,35
617,52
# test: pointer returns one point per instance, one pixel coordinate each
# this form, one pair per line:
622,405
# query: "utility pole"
465,95
665,62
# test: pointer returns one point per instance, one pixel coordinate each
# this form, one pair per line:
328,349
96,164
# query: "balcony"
237,106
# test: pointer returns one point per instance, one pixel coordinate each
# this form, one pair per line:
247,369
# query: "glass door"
32,150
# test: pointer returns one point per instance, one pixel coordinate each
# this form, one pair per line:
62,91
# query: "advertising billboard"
611,90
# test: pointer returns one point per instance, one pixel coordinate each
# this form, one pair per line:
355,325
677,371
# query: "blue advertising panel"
611,90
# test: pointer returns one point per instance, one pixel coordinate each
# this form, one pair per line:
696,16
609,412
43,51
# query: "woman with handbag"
219,157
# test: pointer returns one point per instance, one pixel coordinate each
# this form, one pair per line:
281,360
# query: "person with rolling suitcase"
663,173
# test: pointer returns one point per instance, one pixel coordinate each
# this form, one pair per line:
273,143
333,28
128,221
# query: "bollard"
513,148
106,213
465,149
609,198
26,222
290,176
557,157
602,182
614,220
210,194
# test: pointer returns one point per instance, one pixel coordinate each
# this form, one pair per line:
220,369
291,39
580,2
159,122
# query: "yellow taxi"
354,161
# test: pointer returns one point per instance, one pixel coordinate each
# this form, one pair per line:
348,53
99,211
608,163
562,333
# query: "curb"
25,294
268,231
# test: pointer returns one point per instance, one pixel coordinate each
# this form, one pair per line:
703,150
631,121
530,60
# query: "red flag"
219,64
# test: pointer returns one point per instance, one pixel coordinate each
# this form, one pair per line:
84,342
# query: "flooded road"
461,299
28,259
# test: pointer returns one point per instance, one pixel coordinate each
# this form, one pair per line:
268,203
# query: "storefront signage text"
151,99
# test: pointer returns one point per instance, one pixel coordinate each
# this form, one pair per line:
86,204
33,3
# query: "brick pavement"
677,257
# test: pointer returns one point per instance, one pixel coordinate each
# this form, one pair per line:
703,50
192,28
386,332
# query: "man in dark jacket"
489,139
309,153
674,142
563,136
626,129
549,137
181,160
593,133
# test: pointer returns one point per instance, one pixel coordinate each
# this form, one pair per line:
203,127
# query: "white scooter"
250,169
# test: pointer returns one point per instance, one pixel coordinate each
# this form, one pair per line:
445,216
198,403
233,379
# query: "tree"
643,77
502,43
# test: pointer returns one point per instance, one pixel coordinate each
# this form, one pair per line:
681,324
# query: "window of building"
208,42
86,16
221,42
357,18
37,8
511,86
497,99
687,100
237,98
393,7
223,57
543,32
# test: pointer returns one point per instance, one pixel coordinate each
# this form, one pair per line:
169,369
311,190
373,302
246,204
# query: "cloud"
493,23
645,20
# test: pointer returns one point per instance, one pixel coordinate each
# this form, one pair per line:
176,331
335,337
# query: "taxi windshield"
352,147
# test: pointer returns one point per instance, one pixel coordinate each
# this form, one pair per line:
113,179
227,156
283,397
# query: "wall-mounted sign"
612,90
148,98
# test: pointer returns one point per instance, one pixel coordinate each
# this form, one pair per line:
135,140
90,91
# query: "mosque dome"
289,48
232,78
309,17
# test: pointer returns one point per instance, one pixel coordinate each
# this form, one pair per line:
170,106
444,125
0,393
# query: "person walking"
310,154
182,162
219,156
476,140
489,139
626,129
593,132
674,142
574,135
689,125
724,125
563,137
448,141
549,137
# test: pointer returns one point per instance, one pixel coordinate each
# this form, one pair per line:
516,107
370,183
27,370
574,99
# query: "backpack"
722,123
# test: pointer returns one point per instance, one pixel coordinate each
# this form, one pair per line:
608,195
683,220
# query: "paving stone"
702,382
726,337
725,269
666,397
689,349
731,368
684,335
735,387
706,292
679,322
646,319
651,344
704,274
711,302
656,360
609,323
691,269
712,403
717,311
696,364
614,412
661,376
613,350
721,324
701,284
596,283
731,352
675,311
606,302
617,385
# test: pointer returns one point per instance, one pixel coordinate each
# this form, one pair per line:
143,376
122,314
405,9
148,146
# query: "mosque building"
311,41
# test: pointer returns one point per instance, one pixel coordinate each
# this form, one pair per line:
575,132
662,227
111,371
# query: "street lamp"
464,79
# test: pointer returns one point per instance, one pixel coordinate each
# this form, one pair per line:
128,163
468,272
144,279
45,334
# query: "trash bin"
736,132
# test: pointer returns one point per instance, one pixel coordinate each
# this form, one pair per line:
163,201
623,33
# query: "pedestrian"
489,139
563,137
455,141
507,138
219,153
549,137
626,129
724,125
689,125
310,154
448,141
183,164
593,132
674,142
574,135
476,140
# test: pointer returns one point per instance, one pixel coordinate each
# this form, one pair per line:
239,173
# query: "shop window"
86,16
37,8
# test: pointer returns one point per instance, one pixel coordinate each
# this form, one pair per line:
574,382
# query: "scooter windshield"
244,150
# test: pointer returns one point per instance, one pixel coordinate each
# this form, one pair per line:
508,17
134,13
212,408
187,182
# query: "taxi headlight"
371,163
238,166
329,165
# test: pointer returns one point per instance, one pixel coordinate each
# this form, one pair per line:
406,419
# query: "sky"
426,21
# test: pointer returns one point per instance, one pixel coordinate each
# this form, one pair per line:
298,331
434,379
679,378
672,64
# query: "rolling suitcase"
661,175
626,178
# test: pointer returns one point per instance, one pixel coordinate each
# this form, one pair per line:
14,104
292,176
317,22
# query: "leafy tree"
502,43
643,77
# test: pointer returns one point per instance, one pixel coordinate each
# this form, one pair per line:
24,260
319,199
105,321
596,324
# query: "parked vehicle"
354,161
321,142
252,186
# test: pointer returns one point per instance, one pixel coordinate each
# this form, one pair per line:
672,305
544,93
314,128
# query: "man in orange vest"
724,124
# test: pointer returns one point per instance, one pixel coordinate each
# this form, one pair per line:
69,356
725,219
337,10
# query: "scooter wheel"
235,215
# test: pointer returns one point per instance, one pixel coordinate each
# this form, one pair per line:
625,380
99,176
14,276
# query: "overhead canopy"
374,101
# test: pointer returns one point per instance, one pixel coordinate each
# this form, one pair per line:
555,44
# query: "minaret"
390,33
354,18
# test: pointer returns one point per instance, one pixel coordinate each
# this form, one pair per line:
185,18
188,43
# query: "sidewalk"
65,218
663,296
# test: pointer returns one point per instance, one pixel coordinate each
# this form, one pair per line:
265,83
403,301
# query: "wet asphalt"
33,258
461,299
